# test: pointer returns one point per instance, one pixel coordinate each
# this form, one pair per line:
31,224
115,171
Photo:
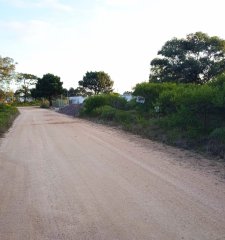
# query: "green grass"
7,115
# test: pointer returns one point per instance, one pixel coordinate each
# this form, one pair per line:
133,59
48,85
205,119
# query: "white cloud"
54,4
16,3
26,31
121,2
14,26
50,4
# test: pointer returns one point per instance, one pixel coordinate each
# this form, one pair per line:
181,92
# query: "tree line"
50,86
196,59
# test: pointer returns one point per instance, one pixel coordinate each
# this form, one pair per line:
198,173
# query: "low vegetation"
185,115
7,115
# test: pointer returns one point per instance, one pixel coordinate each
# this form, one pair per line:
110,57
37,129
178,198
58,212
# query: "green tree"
65,92
34,93
49,86
81,91
196,59
25,81
71,92
96,82
7,70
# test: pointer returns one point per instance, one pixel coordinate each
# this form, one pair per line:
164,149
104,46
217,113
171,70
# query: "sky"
120,37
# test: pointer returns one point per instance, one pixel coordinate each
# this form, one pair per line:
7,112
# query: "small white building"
76,100
140,99
128,97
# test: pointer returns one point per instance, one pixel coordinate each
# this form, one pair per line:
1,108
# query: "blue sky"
121,37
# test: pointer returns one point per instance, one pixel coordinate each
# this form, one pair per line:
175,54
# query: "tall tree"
7,70
25,81
96,82
49,86
195,59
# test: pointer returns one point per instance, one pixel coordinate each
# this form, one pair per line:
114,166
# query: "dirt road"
64,178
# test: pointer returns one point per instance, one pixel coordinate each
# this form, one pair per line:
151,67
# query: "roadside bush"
94,102
218,81
115,101
131,105
109,113
7,115
183,105
151,92
105,112
124,117
216,142
218,134
198,102
169,99
97,101
45,104
188,115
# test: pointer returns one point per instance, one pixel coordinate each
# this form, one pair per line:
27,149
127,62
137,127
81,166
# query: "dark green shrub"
97,101
187,115
124,117
218,84
108,113
216,142
94,102
169,99
218,134
131,105
218,81
115,101
182,119
151,92
199,103
105,112
7,115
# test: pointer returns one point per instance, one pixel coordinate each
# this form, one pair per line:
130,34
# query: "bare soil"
65,178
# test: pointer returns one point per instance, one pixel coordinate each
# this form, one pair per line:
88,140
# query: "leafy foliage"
189,115
7,115
96,82
188,105
7,70
2,95
196,59
97,101
25,81
79,91
49,86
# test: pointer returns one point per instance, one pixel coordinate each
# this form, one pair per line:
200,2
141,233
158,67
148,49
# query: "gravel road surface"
65,178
